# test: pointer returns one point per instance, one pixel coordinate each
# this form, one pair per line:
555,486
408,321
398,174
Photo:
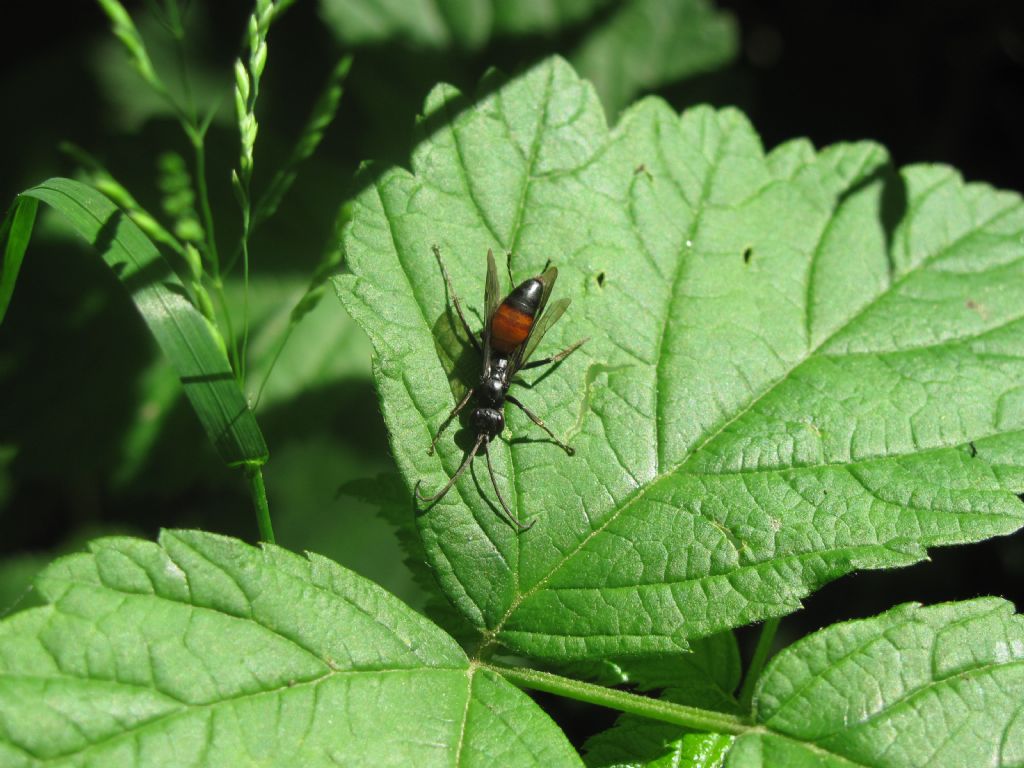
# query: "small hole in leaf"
748,252
600,278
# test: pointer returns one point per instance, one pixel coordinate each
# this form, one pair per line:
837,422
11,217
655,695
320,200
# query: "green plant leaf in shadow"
130,102
623,47
706,677
648,43
449,23
802,362
186,338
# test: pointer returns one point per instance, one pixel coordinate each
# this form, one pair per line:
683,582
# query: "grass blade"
191,344
15,233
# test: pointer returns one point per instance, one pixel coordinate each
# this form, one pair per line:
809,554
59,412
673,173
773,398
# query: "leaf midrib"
641,492
189,709
528,176
677,278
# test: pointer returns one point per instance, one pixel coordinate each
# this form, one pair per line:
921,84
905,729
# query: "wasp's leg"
448,420
455,299
540,423
555,358
501,500
458,473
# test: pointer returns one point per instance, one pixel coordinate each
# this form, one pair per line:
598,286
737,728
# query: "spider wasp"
512,331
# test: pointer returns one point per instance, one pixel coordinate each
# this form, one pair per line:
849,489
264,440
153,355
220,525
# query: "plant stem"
643,706
764,647
254,473
204,203
273,363
206,211
243,354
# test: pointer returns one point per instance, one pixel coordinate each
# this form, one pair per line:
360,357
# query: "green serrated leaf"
802,362
208,652
185,337
937,686
18,572
915,686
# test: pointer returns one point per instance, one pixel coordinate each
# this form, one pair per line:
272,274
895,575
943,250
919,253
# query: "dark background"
934,82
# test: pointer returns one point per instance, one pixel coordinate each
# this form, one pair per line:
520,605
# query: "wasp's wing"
548,281
540,323
492,298
548,319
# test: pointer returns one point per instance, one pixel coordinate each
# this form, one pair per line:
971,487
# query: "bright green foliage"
205,651
936,686
192,345
647,43
801,363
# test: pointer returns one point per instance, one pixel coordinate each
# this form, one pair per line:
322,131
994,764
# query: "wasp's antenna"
466,462
508,512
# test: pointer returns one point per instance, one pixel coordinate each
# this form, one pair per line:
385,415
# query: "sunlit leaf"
936,686
802,362
201,650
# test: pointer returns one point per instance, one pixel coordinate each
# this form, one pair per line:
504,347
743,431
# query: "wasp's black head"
488,421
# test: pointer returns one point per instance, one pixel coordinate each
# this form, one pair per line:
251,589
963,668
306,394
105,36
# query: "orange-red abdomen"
509,328
513,319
